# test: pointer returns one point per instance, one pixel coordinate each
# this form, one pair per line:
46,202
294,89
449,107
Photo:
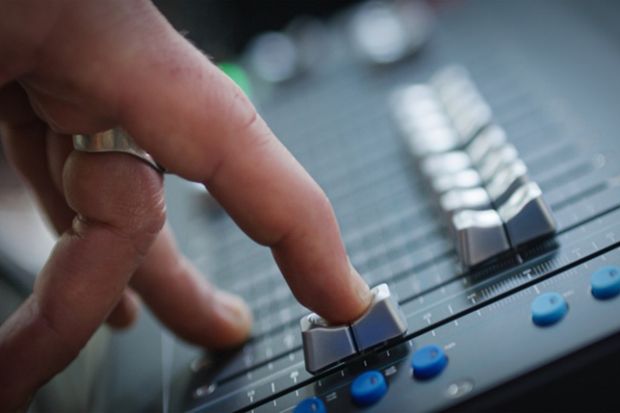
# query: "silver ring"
114,140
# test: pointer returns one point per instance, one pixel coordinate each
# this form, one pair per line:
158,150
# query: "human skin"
70,66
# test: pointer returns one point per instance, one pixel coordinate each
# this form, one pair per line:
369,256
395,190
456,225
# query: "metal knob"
325,344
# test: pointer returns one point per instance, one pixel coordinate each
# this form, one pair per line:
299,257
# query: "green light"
238,75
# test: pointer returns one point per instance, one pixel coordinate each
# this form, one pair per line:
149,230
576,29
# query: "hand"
86,66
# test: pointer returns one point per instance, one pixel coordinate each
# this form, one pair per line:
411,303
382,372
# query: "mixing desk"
473,162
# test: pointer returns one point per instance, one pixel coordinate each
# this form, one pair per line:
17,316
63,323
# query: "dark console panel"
489,325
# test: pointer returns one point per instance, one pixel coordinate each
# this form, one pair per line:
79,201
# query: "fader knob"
479,236
382,321
507,181
465,199
324,344
526,215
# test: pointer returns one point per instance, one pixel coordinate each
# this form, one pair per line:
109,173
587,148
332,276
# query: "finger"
126,311
229,147
185,302
41,165
197,123
24,139
59,148
171,286
119,202
189,308
173,289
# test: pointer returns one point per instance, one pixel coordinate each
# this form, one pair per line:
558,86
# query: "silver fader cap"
406,101
324,344
479,235
382,321
432,141
526,215
460,199
506,181
496,160
491,139
465,179
459,97
445,163
412,123
452,79
472,119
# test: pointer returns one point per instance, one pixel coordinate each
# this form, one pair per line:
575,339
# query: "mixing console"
478,178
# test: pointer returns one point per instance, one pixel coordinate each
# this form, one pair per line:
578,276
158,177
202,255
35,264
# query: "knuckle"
139,218
321,208
246,118
118,191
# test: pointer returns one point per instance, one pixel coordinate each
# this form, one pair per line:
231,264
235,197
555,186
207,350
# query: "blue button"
310,405
368,388
548,308
428,362
606,283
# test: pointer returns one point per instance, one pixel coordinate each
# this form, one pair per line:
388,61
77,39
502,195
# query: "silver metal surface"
460,199
451,77
445,163
480,235
422,120
462,101
476,176
413,93
113,140
382,322
433,141
323,344
465,179
495,160
526,215
458,96
421,123
491,139
472,119
507,181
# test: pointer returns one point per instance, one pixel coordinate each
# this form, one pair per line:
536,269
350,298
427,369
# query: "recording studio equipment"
478,178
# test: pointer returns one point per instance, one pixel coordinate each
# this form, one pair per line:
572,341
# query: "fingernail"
234,310
361,287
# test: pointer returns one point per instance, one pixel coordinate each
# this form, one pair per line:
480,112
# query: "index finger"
198,124
225,144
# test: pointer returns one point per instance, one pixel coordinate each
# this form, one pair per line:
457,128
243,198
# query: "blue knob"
368,388
428,362
548,308
310,405
605,283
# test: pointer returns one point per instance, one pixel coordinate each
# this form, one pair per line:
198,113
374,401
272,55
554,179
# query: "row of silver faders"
326,344
481,185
